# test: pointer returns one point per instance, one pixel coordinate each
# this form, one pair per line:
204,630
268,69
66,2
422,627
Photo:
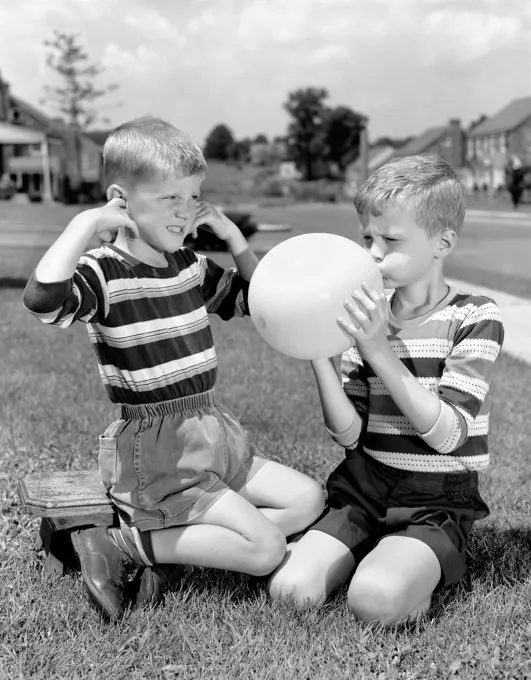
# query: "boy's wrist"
236,241
379,355
85,221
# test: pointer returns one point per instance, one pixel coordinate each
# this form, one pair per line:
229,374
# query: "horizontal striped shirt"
451,351
148,326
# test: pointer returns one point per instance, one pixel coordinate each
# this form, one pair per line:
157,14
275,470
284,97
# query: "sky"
406,64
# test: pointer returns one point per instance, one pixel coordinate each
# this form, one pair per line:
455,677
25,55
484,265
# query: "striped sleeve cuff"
44,298
349,438
449,431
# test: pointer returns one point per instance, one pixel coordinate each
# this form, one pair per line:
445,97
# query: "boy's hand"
214,220
367,325
109,218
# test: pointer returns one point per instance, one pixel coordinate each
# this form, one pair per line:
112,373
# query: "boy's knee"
375,601
310,500
316,498
300,588
268,552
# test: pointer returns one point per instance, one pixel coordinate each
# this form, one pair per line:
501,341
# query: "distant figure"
515,172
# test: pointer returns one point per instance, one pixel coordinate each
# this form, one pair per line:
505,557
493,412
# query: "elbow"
44,298
349,438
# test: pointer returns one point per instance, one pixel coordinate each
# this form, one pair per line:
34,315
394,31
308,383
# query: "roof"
509,118
423,142
29,108
16,134
378,155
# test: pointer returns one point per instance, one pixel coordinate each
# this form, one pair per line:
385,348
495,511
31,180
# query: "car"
207,240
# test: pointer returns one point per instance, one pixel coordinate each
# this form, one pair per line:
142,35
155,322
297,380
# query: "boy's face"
164,209
404,251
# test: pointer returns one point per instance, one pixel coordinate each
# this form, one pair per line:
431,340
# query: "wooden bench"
65,501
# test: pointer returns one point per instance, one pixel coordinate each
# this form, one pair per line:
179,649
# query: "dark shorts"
368,500
165,464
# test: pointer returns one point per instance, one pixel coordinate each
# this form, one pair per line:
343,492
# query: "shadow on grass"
496,558
11,282
500,556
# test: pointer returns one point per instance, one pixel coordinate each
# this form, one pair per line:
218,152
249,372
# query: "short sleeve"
466,377
353,379
225,291
84,297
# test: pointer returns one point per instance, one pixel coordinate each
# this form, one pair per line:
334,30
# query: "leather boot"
104,569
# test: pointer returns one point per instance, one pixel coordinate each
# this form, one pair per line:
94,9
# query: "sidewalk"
515,215
516,316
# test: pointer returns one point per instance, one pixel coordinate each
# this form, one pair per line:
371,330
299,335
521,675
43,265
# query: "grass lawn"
220,625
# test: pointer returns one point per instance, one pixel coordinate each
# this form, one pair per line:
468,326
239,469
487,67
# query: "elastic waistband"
168,408
444,481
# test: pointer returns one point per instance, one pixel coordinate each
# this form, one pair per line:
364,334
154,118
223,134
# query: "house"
75,160
378,155
497,140
446,141
288,170
45,156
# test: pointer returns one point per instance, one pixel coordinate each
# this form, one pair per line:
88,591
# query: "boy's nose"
377,253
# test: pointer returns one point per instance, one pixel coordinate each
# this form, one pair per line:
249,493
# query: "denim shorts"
165,464
368,500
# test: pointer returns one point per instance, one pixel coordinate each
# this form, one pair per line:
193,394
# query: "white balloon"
298,290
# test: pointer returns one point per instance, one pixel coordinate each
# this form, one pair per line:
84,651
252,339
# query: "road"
492,251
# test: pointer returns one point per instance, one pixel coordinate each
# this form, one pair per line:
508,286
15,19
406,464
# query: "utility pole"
364,150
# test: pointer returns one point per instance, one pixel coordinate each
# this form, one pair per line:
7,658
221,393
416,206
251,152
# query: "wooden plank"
102,517
64,494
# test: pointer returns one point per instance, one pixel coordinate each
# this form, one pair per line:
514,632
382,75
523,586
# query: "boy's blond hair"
424,183
145,147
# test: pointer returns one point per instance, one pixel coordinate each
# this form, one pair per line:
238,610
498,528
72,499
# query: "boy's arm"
434,420
342,420
60,260
441,419
66,286
209,216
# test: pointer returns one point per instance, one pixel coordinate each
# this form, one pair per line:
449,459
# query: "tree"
306,131
342,135
219,143
76,95
261,139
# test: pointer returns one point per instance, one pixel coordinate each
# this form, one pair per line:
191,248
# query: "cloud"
407,64
469,35
151,23
123,63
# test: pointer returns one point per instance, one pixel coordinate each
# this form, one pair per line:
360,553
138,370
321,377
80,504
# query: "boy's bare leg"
232,534
285,496
288,498
314,568
394,581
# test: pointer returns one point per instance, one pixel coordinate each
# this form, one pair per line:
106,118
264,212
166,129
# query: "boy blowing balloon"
410,407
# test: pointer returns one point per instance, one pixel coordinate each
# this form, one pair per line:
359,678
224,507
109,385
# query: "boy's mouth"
175,229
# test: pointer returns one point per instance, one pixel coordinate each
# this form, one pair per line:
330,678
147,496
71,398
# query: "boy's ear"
445,243
116,191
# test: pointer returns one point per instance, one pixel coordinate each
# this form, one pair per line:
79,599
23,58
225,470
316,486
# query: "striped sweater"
451,351
148,325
